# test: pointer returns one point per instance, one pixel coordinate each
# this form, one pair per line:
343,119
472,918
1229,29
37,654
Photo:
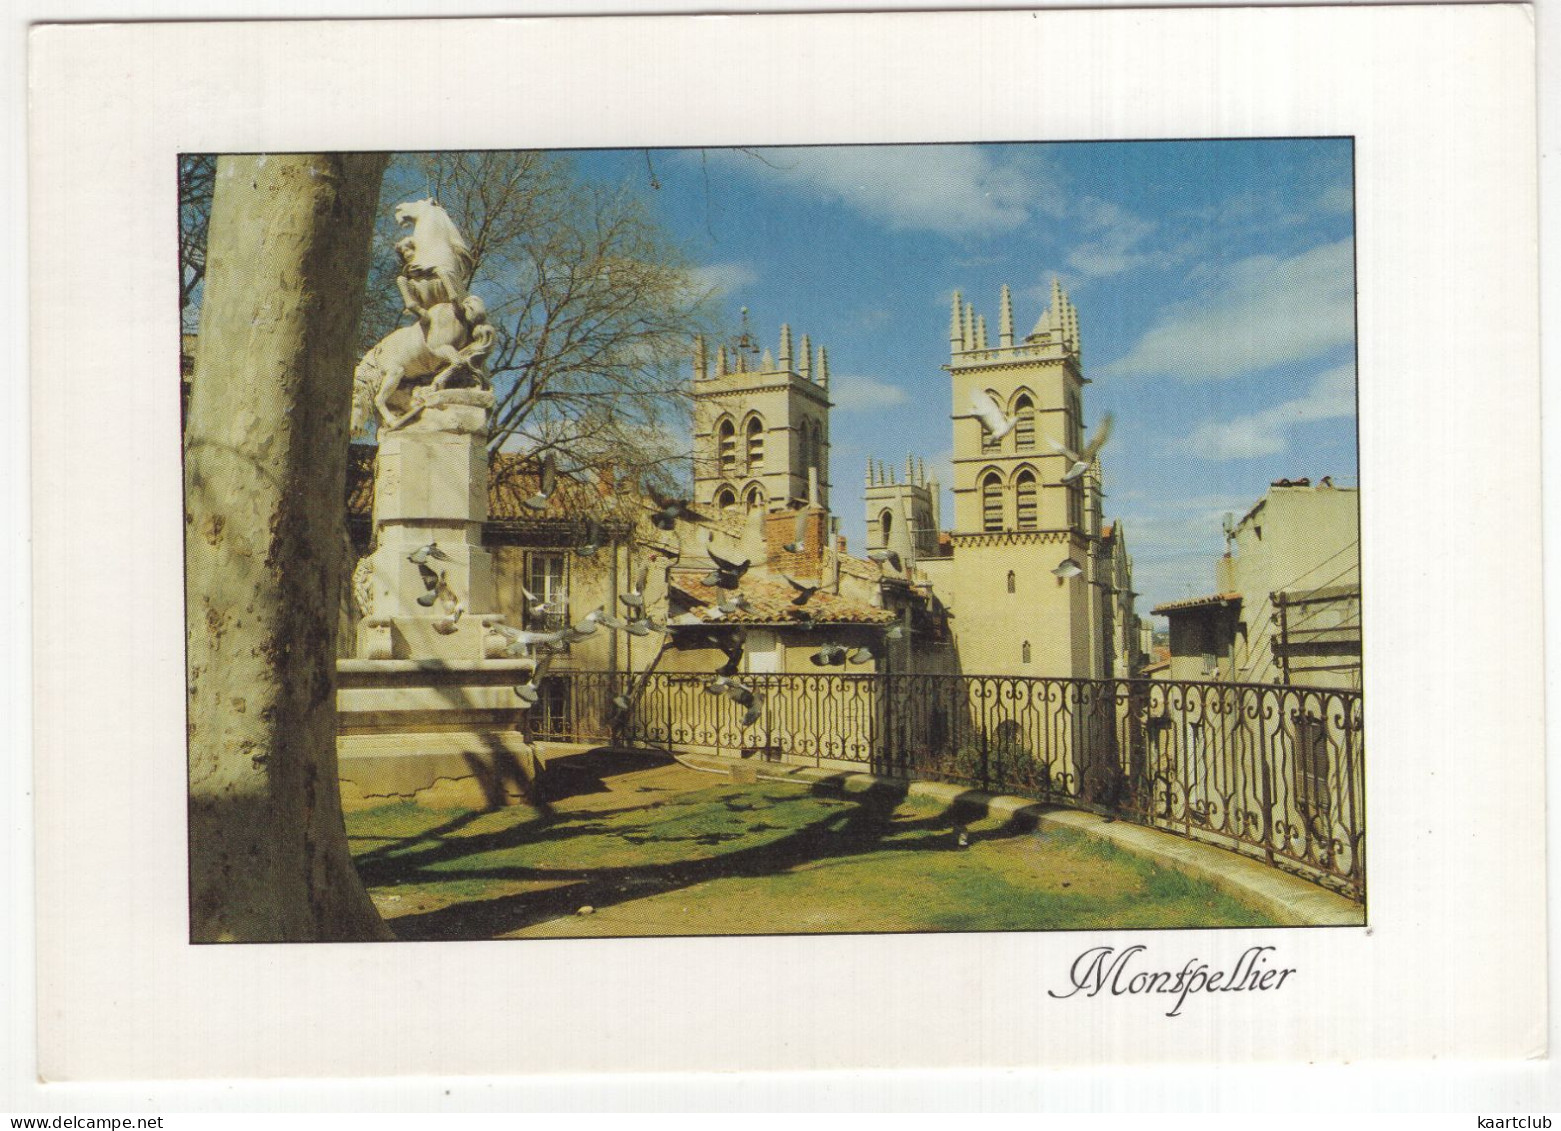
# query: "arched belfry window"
726,498
1011,580
726,446
755,443
1024,652
992,502
1024,426
753,498
1025,498
885,524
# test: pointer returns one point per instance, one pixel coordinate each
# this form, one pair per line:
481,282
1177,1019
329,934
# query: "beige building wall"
1296,540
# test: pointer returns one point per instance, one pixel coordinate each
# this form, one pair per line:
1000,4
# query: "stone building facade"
1288,606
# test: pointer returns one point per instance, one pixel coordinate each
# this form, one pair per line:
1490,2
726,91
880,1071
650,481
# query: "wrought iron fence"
1272,771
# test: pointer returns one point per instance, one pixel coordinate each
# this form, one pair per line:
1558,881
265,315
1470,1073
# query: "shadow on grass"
865,824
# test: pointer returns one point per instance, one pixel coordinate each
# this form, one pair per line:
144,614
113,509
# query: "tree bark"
265,515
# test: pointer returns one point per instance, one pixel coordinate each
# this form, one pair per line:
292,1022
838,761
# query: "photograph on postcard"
768,541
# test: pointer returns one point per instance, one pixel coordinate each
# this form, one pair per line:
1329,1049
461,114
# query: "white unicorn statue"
450,337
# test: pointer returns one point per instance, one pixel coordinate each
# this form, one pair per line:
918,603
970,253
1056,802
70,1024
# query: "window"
755,444
1024,428
546,578
1024,652
1011,581
753,498
1026,500
726,446
992,502
726,498
885,524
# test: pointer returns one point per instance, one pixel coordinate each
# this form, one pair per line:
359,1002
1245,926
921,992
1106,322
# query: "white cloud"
1266,433
864,394
951,189
1264,311
722,279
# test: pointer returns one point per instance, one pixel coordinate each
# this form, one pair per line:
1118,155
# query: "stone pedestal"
429,487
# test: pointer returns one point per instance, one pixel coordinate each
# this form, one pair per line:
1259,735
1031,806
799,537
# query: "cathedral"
1023,575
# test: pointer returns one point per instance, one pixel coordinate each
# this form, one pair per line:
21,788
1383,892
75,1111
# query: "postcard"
776,526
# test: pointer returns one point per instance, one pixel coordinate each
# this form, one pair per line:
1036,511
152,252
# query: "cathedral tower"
761,424
902,516
1015,518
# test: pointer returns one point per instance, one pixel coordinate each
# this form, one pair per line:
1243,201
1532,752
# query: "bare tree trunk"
265,514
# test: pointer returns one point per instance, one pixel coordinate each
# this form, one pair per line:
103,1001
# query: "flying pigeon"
804,590
799,535
594,537
727,575
430,586
453,606
668,510
734,659
882,556
829,655
547,485
739,693
1067,568
522,641
1082,460
992,418
751,715
895,633
635,597
538,606
421,555
529,692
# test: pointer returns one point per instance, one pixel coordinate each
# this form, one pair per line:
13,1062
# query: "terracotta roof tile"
1197,602
769,601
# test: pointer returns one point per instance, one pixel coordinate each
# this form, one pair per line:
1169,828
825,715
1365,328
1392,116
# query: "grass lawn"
654,848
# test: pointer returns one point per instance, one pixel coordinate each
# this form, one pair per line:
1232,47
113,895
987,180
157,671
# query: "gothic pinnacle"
1005,319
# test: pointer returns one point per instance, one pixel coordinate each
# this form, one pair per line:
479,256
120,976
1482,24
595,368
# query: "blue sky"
1214,283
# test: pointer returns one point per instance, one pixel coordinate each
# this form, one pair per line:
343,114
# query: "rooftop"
1197,603
769,602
